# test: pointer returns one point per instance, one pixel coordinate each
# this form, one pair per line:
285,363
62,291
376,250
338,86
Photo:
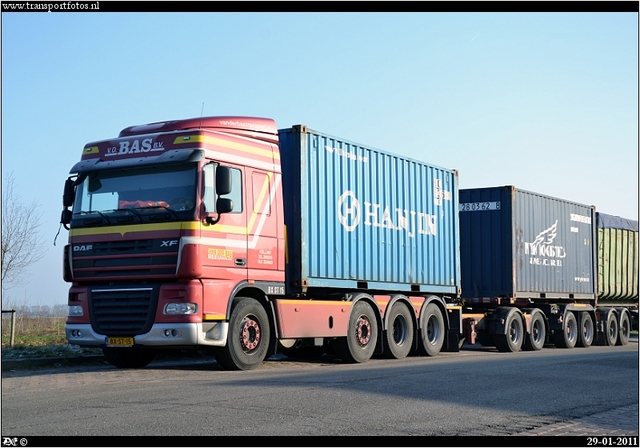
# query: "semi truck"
227,235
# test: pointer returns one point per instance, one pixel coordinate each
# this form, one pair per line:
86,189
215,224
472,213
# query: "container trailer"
224,233
538,269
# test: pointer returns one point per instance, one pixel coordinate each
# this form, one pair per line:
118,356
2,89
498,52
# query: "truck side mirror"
223,181
65,219
224,205
69,194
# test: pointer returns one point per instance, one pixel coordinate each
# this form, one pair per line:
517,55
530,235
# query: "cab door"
226,240
263,244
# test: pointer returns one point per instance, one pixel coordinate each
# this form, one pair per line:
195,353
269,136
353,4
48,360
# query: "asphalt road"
477,392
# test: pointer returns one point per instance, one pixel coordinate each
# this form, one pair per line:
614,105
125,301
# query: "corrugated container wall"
358,217
617,260
520,244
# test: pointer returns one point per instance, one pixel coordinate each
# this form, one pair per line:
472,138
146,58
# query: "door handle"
241,261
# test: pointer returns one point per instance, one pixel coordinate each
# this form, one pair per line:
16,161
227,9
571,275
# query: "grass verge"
39,337
47,351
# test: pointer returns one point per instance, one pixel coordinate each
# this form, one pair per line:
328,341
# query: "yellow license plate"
119,342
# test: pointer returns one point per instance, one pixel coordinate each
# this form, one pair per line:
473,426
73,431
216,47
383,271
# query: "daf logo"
82,247
169,243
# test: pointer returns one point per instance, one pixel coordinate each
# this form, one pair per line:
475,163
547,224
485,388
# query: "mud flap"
455,336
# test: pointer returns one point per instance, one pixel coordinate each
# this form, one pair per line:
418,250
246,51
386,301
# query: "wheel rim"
433,330
515,332
363,331
624,328
537,331
250,334
587,331
399,330
571,332
613,330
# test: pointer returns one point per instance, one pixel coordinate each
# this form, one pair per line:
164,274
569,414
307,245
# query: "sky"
547,102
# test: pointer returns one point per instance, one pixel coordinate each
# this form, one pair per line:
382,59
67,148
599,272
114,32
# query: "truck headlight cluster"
75,310
180,308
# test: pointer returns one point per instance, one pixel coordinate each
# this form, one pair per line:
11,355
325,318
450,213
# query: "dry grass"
39,337
33,331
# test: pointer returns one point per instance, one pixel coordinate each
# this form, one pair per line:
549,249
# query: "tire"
568,336
128,358
535,339
432,330
513,339
586,333
624,329
362,335
398,338
611,329
248,339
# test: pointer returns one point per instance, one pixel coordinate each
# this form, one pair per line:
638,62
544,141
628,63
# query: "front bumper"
161,335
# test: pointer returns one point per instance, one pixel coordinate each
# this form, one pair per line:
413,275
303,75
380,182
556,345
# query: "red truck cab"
169,221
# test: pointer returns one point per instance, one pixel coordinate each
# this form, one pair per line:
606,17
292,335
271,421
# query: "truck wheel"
624,330
362,335
398,338
611,329
432,330
248,338
568,336
586,334
128,358
513,339
536,338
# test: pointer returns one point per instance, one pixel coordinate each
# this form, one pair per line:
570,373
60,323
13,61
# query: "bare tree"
22,245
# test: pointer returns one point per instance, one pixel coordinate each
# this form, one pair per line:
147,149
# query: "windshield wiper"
137,214
88,222
172,212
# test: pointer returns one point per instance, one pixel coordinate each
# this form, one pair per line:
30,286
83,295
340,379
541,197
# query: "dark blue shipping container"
519,244
357,217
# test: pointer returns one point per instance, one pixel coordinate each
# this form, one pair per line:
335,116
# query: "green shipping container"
617,261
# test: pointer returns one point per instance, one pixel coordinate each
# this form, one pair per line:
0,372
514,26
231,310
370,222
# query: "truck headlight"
75,310
180,308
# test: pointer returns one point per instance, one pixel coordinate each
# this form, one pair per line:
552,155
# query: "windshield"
144,194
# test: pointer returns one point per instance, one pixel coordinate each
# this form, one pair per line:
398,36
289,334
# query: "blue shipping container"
358,217
519,244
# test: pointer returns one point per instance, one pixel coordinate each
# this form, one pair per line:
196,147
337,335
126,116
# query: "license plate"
119,342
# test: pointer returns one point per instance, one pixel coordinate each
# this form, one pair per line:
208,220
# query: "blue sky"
547,102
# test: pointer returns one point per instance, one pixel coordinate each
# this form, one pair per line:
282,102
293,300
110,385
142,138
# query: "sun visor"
171,156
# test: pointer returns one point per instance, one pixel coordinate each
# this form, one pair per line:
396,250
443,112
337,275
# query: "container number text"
479,206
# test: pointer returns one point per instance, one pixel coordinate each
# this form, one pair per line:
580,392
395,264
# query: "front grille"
125,259
123,311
